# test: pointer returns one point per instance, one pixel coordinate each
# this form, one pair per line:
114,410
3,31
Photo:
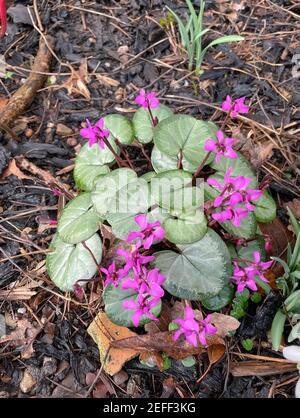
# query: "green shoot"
191,34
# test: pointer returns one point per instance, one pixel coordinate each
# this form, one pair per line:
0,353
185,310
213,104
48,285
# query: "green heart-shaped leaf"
67,264
186,228
201,268
219,301
107,187
265,208
142,122
163,162
79,221
246,251
120,128
114,297
172,190
184,134
89,164
130,200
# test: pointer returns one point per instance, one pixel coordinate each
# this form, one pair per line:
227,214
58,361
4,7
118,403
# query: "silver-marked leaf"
219,301
149,176
201,268
67,264
130,200
107,187
113,300
120,128
186,228
184,134
79,221
173,190
163,162
245,252
89,164
265,208
142,123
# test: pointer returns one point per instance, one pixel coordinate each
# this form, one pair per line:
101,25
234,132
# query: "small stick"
24,96
43,174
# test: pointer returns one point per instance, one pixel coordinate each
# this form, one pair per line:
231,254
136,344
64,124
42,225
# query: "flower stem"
200,167
123,151
119,160
153,119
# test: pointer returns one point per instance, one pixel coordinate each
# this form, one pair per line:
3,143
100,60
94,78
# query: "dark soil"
260,68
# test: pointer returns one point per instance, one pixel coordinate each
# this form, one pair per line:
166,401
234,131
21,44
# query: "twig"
24,96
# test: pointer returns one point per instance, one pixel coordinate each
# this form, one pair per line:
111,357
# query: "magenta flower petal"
136,317
227,104
192,339
130,304
210,145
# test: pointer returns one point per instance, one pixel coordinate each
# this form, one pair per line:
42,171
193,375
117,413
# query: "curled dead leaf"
215,352
224,323
159,342
76,84
107,81
13,170
106,334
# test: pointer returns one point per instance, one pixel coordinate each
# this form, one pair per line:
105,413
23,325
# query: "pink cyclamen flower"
149,231
52,222
96,133
113,274
193,330
235,106
243,279
141,306
233,214
223,146
147,281
147,100
234,191
134,259
258,267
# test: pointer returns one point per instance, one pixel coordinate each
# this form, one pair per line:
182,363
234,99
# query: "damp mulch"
116,48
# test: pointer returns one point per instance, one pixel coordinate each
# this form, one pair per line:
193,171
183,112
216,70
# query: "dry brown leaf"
256,368
3,102
280,236
224,323
24,335
215,352
76,83
13,170
264,151
104,333
107,81
162,324
160,342
294,205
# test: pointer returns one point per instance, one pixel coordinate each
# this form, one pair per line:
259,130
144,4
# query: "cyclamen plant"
180,231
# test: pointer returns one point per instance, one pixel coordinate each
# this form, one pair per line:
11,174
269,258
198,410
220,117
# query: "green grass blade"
294,222
192,12
277,329
225,39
